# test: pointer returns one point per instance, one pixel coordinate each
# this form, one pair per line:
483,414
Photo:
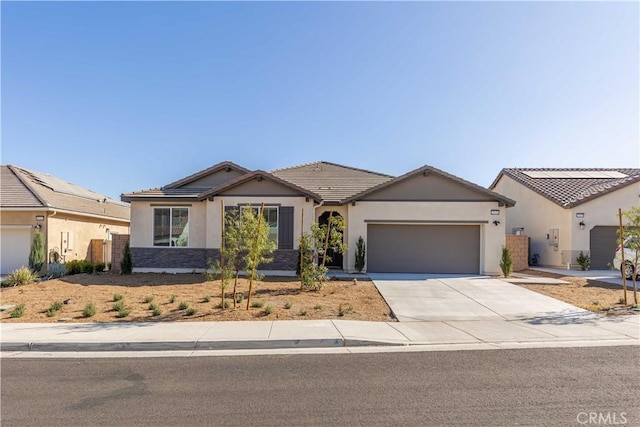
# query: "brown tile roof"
432,170
23,188
333,182
257,174
578,185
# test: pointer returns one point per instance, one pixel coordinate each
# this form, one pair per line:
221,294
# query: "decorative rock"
68,301
6,307
65,319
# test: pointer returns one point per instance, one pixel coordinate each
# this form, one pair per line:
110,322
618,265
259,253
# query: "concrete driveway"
443,297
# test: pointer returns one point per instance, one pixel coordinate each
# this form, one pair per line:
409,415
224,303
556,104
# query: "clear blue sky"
123,96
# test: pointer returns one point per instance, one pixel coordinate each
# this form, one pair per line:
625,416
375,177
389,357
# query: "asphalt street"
563,386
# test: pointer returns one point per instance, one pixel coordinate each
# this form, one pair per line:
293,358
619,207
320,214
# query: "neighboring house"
425,221
68,215
565,211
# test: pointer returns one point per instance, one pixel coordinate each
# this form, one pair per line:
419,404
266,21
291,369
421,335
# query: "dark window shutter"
285,228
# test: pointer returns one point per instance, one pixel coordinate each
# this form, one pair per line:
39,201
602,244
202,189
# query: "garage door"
602,245
394,248
15,244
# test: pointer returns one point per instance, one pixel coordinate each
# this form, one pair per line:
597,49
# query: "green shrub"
153,306
50,312
37,255
227,304
18,311
21,276
303,312
126,265
172,299
344,308
506,263
57,305
239,298
584,261
183,305
124,312
89,310
191,311
288,305
156,311
149,298
257,304
268,310
360,254
99,267
55,270
117,297
317,307
118,306
206,298
78,266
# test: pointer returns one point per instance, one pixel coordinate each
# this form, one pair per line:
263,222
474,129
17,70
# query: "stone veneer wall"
519,247
196,258
117,247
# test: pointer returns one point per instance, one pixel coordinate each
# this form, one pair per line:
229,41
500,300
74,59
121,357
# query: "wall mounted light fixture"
39,217
580,215
495,211
582,225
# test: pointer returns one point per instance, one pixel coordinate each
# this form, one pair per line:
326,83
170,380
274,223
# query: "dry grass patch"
591,295
168,291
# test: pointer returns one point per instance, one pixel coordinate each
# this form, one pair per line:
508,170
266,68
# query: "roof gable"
429,184
569,187
258,184
36,189
333,182
210,177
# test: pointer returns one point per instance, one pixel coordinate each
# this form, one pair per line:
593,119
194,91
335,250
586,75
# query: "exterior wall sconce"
496,222
495,211
582,225
580,215
39,217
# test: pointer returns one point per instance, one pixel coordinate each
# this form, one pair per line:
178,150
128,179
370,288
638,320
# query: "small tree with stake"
506,263
632,238
360,254
258,248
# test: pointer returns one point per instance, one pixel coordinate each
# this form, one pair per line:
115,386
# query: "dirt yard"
168,291
592,295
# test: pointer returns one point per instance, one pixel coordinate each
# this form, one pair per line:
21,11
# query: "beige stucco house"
426,221
69,216
565,211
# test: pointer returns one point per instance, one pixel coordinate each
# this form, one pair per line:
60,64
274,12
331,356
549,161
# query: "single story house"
426,221
69,216
565,211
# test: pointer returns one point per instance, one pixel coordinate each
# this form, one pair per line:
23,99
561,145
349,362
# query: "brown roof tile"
566,191
333,182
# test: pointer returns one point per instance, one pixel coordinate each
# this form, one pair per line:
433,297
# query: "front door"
334,259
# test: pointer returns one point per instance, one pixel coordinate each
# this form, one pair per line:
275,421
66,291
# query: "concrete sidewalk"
552,331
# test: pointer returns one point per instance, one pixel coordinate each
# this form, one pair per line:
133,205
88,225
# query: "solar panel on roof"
583,174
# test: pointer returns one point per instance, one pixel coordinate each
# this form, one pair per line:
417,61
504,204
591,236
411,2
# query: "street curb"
189,345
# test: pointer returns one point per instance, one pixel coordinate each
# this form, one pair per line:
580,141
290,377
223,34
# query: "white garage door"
15,244
395,248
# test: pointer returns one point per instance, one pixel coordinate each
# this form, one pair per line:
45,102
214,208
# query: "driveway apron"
456,297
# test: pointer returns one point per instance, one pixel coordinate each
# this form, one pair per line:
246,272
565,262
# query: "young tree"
257,245
632,238
37,255
506,263
315,245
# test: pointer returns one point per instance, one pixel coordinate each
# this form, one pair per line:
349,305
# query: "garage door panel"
15,244
395,248
602,246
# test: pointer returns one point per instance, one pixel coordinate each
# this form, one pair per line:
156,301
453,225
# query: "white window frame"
276,207
153,226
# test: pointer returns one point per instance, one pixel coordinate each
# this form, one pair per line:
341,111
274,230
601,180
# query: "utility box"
66,242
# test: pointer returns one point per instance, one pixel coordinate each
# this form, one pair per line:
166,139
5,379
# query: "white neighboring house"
565,211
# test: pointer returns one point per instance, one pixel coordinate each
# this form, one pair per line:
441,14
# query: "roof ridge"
333,164
28,186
